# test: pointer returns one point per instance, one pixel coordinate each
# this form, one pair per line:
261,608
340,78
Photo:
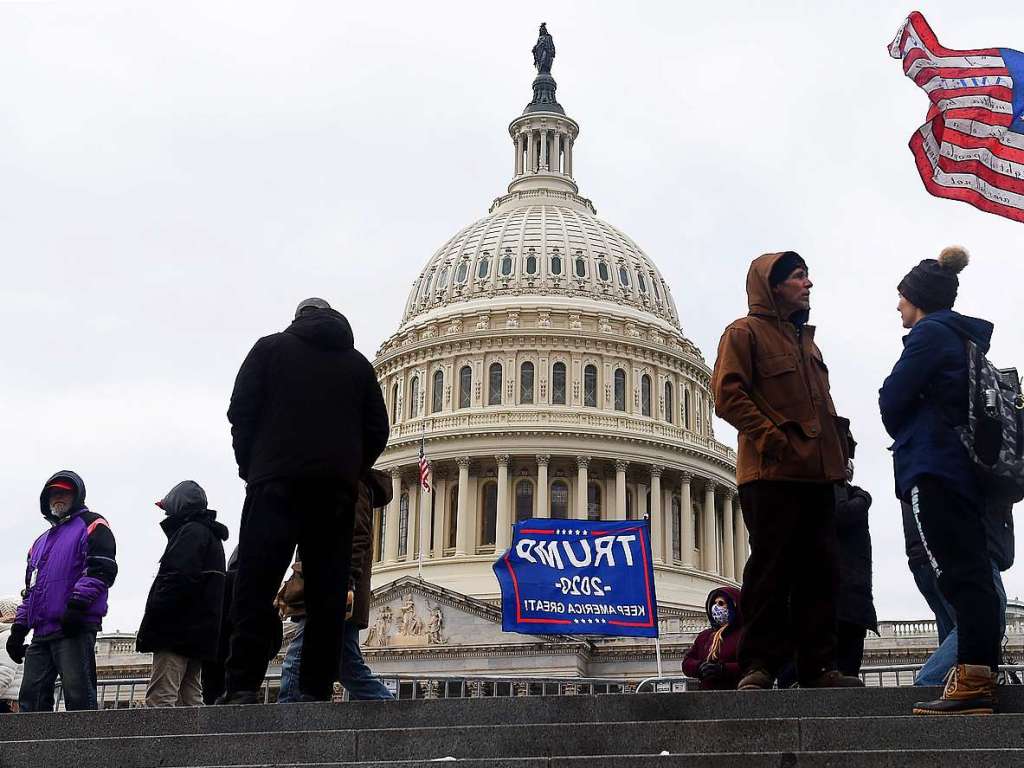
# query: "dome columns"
543,145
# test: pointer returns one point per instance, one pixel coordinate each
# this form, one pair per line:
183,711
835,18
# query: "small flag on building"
425,478
972,146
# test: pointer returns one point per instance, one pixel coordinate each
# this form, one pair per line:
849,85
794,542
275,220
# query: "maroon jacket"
701,648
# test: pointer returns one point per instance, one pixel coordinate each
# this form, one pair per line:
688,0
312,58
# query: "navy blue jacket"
925,398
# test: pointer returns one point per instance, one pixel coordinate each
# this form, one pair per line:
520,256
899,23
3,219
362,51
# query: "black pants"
791,578
278,515
850,648
954,536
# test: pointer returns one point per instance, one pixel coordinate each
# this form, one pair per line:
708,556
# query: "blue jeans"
928,586
354,674
74,659
943,659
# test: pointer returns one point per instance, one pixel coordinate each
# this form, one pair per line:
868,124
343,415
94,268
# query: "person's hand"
73,620
16,643
710,669
350,606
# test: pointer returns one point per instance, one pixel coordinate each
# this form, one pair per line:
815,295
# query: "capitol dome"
541,366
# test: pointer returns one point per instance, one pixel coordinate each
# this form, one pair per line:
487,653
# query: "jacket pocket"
779,384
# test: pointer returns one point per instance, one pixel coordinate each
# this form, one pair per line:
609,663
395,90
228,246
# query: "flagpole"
423,518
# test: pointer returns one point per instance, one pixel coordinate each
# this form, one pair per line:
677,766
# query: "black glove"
16,643
73,620
710,669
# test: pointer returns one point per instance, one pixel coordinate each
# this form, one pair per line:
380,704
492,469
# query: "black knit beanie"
785,265
932,284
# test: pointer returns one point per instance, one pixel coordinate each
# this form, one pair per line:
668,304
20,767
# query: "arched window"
442,279
645,395
556,263
602,271
453,517
558,384
531,263
590,386
677,530
462,272
488,513
494,384
465,386
620,389
581,266
700,413
483,267
526,383
687,414
524,500
641,282
414,397
403,525
624,276
560,499
437,392
593,500
394,404
506,263
669,406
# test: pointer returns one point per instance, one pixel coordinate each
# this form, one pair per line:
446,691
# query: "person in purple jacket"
70,569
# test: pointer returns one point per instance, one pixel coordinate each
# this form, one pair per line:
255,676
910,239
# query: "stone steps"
753,729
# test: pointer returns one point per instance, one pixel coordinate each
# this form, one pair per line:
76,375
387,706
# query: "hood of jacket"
184,498
380,488
732,595
975,329
325,328
77,505
207,517
760,298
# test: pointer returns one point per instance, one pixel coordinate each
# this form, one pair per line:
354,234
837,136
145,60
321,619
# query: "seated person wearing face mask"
712,657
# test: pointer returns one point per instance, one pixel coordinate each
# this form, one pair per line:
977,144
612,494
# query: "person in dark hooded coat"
923,402
308,420
713,656
855,606
181,623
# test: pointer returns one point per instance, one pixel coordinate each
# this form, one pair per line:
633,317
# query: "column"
462,529
620,489
710,543
581,486
728,543
686,514
414,505
440,512
543,507
568,156
544,150
503,526
519,154
556,144
657,513
391,526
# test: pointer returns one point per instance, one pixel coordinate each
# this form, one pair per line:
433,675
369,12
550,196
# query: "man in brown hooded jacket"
771,383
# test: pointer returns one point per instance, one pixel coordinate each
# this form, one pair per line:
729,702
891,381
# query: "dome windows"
623,276
641,283
654,287
526,375
645,395
437,392
414,397
483,268
465,386
524,500
669,408
462,273
556,264
602,271
494,384
620,389
531,262
558,384
442,279
506,263
581,265
590,386
560,499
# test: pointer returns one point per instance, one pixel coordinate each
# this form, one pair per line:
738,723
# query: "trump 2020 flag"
577,577
972,146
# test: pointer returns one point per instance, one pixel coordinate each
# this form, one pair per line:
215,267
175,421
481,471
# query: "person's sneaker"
833,679
756,680
970,690
240,697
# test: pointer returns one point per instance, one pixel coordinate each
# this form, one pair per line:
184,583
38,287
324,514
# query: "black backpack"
994,433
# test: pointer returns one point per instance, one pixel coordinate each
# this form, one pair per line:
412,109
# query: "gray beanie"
311,303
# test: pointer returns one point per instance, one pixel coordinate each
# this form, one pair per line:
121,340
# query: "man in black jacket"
182,619
855,606
307,421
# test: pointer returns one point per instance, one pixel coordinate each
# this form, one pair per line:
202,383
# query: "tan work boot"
833,679
970,690
756,679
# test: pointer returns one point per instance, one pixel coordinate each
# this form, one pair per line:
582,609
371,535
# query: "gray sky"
175,177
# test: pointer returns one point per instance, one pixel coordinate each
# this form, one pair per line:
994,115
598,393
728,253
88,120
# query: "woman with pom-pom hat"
922,402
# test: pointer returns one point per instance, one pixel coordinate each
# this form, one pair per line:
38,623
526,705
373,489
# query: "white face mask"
720,614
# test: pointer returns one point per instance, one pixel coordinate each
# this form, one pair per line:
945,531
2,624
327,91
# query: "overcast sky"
175,177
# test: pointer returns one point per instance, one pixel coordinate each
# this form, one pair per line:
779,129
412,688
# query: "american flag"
972,146
424,469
